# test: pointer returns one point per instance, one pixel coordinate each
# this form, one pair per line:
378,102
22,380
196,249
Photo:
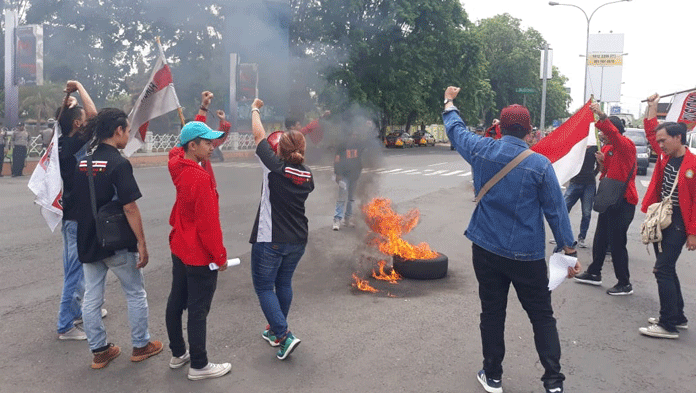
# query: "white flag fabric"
683,109
46,183
158,98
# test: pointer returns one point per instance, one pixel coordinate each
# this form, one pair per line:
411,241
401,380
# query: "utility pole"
543,86
11,88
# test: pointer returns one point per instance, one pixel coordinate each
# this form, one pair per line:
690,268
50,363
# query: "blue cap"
197,129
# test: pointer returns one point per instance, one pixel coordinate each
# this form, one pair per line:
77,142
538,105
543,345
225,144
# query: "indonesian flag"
158,98
565,146
46,183
683,109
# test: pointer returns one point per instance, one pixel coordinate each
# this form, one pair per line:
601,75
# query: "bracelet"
204,109
256,110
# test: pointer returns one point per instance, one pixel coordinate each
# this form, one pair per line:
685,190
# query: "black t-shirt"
669,177
349,161
587,172
281,215
68,146
113,179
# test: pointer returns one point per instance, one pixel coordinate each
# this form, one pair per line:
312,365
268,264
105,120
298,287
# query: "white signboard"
605,67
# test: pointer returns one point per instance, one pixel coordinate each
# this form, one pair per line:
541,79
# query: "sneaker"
336,224
179,361
581,244
269,336
73,334
289,344
151,349
554,390
657,331
78,321
212,370
655,321
102,359
587,278
489,384
620,290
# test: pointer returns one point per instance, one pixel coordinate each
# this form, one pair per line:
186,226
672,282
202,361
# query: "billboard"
604,67
29,55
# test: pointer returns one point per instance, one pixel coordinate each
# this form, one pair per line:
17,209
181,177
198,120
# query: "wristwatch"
448,100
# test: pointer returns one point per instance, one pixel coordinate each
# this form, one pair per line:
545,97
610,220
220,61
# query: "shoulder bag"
609,192
498,176
658,217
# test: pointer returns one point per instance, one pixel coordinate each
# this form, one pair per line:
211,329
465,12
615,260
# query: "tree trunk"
411,118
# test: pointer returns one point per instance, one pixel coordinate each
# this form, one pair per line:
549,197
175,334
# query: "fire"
391,277
390,226
363,285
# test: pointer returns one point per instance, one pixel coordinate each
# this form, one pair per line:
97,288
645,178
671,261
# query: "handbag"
113,230
609,192
658,217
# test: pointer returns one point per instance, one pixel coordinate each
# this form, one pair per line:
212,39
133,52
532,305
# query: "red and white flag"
565,146
683,109
158,98
46,183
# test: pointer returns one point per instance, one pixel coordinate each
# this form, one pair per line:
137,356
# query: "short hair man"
507,232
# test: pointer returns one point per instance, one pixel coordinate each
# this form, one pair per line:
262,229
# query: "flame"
390,226
391,277
362,285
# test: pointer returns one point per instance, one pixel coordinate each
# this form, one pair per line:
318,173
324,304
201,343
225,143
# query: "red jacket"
196,236
686,183
315,131
619,159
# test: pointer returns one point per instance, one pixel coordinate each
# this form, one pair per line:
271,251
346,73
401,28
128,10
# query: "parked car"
423,138
637,136
399,139
691,141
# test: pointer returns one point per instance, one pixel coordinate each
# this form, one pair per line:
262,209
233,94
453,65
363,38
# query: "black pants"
193,288
494,274
671,300
19,154
612,229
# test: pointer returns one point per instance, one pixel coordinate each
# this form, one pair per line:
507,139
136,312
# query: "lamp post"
587,37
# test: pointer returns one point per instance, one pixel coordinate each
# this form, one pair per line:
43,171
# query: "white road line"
391,171
408,171
464,174
435,173
440,163
415,173
452,173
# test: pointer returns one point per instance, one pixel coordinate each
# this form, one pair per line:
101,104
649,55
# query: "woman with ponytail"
279,236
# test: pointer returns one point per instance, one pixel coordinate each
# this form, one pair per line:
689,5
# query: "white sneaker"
212,370
336,224
655,321
78,321
179,361
581,243
657,331
73,334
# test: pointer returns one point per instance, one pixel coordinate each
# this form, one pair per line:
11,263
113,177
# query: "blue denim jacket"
508,221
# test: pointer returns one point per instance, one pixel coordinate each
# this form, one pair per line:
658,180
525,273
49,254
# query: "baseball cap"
515,114
197,129
274,139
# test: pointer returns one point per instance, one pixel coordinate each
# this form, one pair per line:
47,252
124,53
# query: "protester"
347,169
196,243
280,232
73,142
314,129
618,159
113,180
507,232
20,140
47,134
225,128
675,163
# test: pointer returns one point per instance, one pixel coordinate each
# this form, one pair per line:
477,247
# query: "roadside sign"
615,110
605,59
556,123
525,90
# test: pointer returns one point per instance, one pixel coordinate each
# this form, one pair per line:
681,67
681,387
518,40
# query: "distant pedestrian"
113,180
280,232
675,164
47,134
196,244
618,159
3,141
20,140
507,232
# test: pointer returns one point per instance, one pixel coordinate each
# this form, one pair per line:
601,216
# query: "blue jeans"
586,194
346,198
73,279
272,267
123,265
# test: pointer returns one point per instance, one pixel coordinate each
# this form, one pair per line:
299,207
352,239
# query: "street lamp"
587,37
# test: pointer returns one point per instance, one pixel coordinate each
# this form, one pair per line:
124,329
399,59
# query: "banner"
46,183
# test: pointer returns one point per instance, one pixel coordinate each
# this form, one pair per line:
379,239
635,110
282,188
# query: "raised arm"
206,98
256,125
650,123
88,104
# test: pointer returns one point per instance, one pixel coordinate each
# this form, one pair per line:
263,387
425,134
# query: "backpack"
658,217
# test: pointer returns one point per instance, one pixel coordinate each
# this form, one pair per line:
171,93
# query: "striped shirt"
670,176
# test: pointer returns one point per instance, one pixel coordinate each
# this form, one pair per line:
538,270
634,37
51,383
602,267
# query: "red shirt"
315,131
686,183
619,159
196,236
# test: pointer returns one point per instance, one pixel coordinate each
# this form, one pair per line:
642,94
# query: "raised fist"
451,92
206,98
220,114
258,104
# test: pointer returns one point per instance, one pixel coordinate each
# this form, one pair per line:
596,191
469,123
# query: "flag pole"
179,110
674,94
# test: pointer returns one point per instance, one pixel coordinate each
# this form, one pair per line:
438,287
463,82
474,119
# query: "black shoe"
587,278
620,290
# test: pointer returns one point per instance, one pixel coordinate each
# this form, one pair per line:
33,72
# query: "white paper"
558,269
230,262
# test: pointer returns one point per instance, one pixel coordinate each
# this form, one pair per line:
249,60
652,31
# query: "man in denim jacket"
507,232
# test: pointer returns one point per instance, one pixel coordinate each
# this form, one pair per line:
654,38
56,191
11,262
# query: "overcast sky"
660,48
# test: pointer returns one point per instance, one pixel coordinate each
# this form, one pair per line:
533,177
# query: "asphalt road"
411,337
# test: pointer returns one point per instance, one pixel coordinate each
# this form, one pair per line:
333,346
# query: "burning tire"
421,269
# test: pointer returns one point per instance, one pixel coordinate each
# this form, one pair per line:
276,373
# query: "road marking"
438,164
415,173
391,171
435,173
408,171
464,174
452,173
